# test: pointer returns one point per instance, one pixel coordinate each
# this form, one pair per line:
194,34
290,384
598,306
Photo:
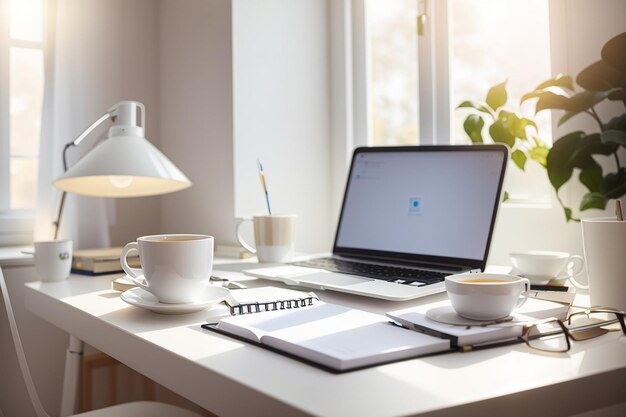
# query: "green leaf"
473,126
500,134
563,81
549,100
505,197
617,123
474,105
591,177
568,115
614,136
586,99
519,158
539,153
600,76
557,162
516,124
593,200
614,184
590,145
568,213
496,96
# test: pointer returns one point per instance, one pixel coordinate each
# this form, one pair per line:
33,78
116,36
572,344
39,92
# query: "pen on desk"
264,185
619,213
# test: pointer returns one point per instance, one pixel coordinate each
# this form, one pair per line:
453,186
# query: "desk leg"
71,379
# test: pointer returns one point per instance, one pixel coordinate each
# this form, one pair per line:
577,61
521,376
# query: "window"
425,57
21,85
391,28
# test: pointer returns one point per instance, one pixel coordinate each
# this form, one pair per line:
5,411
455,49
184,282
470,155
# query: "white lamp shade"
123,166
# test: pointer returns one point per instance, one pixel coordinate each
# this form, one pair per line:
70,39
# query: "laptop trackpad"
333,278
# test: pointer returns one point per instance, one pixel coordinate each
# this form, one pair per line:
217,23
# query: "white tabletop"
233,378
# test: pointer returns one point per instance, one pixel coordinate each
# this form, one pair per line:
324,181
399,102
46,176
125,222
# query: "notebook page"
336,336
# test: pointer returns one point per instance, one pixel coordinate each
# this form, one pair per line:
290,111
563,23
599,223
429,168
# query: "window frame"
16,225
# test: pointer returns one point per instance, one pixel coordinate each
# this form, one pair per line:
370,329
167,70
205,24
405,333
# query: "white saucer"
139,297
447,315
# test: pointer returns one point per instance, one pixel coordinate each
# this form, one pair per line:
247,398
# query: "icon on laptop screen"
415,204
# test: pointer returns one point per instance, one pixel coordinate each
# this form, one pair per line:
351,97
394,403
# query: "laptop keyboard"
399,275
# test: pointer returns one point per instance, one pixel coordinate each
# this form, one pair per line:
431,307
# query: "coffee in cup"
542,266
484,296
274,236
175,267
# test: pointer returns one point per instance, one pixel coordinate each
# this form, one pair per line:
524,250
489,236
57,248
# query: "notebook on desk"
410,216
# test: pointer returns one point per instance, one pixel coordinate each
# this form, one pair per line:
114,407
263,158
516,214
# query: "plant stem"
619,167
594,114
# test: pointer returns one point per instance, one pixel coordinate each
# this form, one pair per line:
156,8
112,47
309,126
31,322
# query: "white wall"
196,115
579,29
281,113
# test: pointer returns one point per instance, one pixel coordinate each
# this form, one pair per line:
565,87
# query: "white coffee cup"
274,236
53,259
175,267
542,266
484,296
604,244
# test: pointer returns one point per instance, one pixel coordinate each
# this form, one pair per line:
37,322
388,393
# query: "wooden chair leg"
86,388
148,389
90,362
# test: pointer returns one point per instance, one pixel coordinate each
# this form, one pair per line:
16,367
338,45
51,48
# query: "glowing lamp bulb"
120,181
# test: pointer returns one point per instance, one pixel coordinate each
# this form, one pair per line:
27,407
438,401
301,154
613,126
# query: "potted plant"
575,151
506,126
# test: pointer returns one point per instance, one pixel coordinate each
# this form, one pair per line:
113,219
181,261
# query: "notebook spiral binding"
258,307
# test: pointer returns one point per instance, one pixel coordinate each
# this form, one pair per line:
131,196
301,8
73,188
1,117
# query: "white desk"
231,378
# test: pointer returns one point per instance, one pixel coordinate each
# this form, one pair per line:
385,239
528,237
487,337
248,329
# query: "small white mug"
542,266
53,259
175,267
274,236
483,296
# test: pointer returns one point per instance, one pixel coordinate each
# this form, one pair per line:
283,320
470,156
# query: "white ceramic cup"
484,296
176,267
53,259
274,236
604,244
542,266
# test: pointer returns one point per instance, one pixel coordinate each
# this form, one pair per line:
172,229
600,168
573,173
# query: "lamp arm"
108,115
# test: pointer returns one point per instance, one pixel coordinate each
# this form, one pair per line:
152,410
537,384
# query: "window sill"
11,256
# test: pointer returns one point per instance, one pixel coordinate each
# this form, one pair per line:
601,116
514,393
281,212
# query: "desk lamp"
125,164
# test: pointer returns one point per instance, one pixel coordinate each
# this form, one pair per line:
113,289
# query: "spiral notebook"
330,336
339,338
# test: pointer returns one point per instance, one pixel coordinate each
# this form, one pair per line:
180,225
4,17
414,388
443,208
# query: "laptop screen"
430,201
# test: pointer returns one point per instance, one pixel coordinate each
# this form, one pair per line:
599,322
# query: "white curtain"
86,73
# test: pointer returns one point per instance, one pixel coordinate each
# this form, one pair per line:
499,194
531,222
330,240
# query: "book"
101,261
417,318
340,338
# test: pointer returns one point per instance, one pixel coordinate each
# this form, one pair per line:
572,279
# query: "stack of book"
101,261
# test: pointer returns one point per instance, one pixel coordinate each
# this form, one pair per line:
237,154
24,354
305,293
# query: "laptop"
410,217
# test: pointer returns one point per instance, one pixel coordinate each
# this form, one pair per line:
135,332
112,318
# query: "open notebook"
339,338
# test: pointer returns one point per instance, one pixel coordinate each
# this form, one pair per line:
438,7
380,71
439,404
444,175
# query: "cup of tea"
274,236
484,296
53,259
174,267
542,266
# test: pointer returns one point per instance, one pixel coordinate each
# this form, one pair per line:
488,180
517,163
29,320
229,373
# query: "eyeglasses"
553,335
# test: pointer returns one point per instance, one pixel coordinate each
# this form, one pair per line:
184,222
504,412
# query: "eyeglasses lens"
548,337
593,324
